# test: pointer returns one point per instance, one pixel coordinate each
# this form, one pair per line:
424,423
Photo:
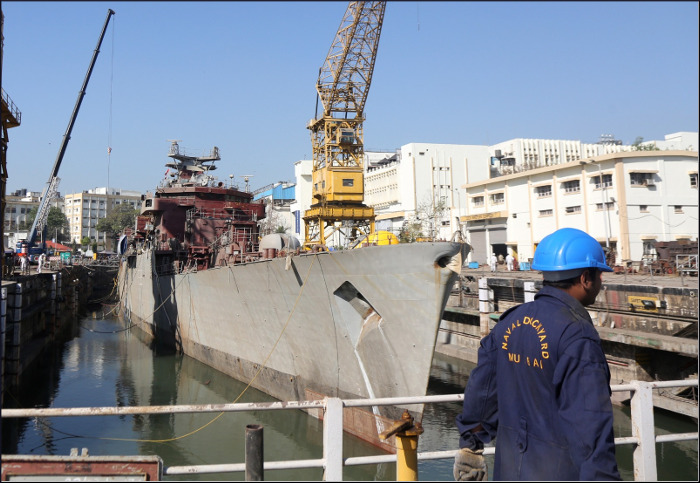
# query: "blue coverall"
542,388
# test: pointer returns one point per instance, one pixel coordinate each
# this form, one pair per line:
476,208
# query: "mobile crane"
337,136
27,247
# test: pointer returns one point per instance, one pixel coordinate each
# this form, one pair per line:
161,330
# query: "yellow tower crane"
336,136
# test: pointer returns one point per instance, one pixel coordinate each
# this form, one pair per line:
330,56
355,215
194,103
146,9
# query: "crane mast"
51,188
337,135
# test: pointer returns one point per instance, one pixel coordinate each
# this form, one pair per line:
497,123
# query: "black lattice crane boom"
337,135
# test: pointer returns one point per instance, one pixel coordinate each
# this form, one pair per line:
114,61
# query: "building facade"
474,184
626,200
423,179
84,210
16,223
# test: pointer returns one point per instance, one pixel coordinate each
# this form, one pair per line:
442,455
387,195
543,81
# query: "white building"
84,210
625,200
524,154
477,183
418,177
302,193
19,204
684,141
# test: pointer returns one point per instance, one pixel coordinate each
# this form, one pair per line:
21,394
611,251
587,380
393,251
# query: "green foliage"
56,222
86,241
638,146
410,231
281,229
116,220
31,216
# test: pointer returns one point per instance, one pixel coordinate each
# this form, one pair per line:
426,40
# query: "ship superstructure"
194,221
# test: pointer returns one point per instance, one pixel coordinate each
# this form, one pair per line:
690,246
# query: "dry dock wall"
35,309
648,329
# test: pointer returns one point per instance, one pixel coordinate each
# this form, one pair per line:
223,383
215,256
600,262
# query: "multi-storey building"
626,200
424,179
19,204
479,189
84,210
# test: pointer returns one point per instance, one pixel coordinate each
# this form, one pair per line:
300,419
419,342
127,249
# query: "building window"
649,247
608,206
546,212
643,209
694,180
641,179
478,201
677,209
607,181
498,198
573,209
572,186
543,191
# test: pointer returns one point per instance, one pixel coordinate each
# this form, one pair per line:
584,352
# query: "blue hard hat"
566,253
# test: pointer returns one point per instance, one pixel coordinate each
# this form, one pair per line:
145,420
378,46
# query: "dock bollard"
406,446
254,452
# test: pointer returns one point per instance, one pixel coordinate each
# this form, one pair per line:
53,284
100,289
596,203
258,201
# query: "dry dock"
648,324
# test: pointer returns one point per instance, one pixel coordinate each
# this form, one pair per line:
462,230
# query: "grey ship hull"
352,324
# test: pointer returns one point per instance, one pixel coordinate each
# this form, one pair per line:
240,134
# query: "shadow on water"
103,365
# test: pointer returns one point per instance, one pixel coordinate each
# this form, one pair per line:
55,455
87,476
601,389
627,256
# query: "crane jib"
52,183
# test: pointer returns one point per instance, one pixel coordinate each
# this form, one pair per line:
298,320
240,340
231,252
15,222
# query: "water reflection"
106,366
101,364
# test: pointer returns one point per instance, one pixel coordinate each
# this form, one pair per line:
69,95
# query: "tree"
56,222
273,222
410,231
120,217
29,220
85,241
638,146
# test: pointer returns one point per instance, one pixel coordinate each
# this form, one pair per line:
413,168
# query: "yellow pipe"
406,457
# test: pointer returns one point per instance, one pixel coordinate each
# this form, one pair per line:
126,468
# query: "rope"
262,366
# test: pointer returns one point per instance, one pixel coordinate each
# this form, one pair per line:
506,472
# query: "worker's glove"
470,465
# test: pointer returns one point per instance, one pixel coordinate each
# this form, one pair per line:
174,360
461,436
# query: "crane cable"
111,83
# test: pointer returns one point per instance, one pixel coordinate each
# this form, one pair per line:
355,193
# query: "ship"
295,323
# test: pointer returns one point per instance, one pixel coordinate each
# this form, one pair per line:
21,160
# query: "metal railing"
641,407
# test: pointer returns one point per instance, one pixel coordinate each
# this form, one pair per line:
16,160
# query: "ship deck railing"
643,435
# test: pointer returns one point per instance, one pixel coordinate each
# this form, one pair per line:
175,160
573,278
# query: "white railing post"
642,413
484,307
529,289
333,439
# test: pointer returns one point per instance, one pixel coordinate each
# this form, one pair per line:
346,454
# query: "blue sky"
241,76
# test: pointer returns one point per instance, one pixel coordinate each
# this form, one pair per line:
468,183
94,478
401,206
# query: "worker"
509,262
494,260
42,259
541,387
23,265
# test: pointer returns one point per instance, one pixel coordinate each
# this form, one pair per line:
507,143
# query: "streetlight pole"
607,215
459,209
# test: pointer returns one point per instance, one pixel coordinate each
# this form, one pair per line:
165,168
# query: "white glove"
470,465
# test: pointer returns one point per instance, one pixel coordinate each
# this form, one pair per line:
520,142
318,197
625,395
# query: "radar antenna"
246,178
